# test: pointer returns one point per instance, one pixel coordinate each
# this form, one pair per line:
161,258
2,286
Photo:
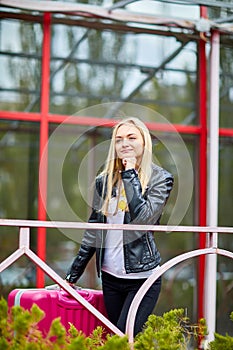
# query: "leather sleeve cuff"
127,174
67,278
71,279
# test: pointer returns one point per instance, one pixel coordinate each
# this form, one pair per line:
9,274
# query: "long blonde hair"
113,165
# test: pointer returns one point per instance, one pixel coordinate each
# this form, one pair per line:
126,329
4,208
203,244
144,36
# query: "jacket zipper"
100,257
101,248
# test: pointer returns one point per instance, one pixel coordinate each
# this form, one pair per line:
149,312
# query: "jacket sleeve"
88,244
148,208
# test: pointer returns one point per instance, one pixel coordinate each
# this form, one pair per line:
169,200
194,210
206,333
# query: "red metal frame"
202,170
92,121
42,190
202,73
45,118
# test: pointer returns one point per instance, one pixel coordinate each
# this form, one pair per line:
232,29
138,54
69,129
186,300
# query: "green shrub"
172,331
222,342
19,331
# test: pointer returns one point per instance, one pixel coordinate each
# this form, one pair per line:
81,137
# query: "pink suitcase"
58,303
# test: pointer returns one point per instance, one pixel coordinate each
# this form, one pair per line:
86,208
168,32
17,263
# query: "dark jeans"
118,296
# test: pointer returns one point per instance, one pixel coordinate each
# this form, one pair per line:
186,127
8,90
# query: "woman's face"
129,142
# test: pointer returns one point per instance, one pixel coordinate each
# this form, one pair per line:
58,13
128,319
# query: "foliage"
222,342
171,331
18,330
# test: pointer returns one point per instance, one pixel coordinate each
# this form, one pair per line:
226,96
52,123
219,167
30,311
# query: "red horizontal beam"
183,129
106,122
26,116
226,132
81,120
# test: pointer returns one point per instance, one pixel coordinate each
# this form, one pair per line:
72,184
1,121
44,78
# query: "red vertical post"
202,71
43,151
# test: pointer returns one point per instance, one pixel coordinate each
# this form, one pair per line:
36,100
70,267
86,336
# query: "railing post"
212,217
24,237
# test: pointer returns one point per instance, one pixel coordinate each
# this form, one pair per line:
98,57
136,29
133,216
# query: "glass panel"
20,63
76,154
225,182
222,16
179,285
224,291
19,169
18,195
225,265
92,67
226,89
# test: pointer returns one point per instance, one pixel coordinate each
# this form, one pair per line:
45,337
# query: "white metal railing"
24,249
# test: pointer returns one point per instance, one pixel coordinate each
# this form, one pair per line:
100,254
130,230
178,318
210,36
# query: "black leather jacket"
140,251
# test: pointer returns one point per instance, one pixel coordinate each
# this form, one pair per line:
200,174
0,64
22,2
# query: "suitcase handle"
57,287
65,297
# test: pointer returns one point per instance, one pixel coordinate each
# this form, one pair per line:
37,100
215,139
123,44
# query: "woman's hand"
71,284
129,163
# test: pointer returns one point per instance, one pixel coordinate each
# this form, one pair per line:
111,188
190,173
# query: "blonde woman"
130,190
